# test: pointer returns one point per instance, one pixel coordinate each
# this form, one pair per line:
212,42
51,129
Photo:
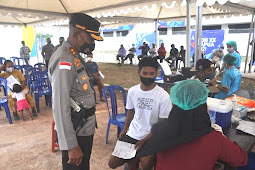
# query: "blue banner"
117,28
149,38
211,40
174,23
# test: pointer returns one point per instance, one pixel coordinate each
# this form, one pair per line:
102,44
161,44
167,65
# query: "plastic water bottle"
212,115
234,100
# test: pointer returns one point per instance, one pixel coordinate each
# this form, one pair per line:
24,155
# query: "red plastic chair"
54,142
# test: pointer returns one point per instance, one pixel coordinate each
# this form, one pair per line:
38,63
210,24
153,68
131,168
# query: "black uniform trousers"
85,143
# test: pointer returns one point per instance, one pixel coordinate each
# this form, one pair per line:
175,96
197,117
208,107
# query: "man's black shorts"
128,139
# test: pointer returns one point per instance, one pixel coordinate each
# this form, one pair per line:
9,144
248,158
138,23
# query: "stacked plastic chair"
17,61
13,58
25,69
40,86
115,118
4,100
41,66
28,72
2,60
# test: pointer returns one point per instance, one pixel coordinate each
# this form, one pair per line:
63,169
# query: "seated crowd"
174,57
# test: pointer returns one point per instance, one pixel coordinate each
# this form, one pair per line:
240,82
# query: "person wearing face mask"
231,48
10,71
147,104
93,71
231,80
47,51
217,56
71,85
206,70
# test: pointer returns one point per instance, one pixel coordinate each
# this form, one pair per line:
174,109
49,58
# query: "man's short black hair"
22,42
61,38
48,38
148,62
17,88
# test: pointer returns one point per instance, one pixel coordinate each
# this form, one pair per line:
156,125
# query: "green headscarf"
189,94
229,59
232,43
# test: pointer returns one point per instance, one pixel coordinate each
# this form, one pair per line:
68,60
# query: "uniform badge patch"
84,77
65,65
85,86
77,62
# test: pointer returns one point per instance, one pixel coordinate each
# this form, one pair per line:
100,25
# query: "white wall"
10,43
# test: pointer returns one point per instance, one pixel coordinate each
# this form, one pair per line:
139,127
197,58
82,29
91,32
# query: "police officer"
70,80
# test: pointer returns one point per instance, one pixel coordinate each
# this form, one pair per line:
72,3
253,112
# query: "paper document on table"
247,127
11,81
124,150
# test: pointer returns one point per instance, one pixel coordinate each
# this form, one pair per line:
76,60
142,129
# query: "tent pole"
41,41
252,49
156,34
188,43
156,28
199,14
248,48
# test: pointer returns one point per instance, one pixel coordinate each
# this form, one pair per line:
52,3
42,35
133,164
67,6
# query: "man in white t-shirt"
147,104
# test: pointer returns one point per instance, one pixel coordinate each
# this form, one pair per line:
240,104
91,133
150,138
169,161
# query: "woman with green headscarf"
231,80
186,140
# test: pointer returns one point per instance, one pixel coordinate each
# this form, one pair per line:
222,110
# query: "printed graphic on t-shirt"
144,103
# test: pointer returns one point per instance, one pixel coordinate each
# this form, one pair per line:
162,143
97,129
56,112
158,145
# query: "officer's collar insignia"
84,77
77,62
85,86
72,50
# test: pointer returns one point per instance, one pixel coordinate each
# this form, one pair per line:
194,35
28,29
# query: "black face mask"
210,76
91,48
147,81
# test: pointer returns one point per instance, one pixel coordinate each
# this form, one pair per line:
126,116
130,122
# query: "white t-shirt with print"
20,96
149,106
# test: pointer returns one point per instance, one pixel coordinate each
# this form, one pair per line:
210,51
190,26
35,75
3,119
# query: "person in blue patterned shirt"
24,52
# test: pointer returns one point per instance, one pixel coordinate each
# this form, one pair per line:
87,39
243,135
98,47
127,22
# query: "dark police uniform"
70,80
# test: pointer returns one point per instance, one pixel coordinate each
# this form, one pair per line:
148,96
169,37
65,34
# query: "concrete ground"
27,145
